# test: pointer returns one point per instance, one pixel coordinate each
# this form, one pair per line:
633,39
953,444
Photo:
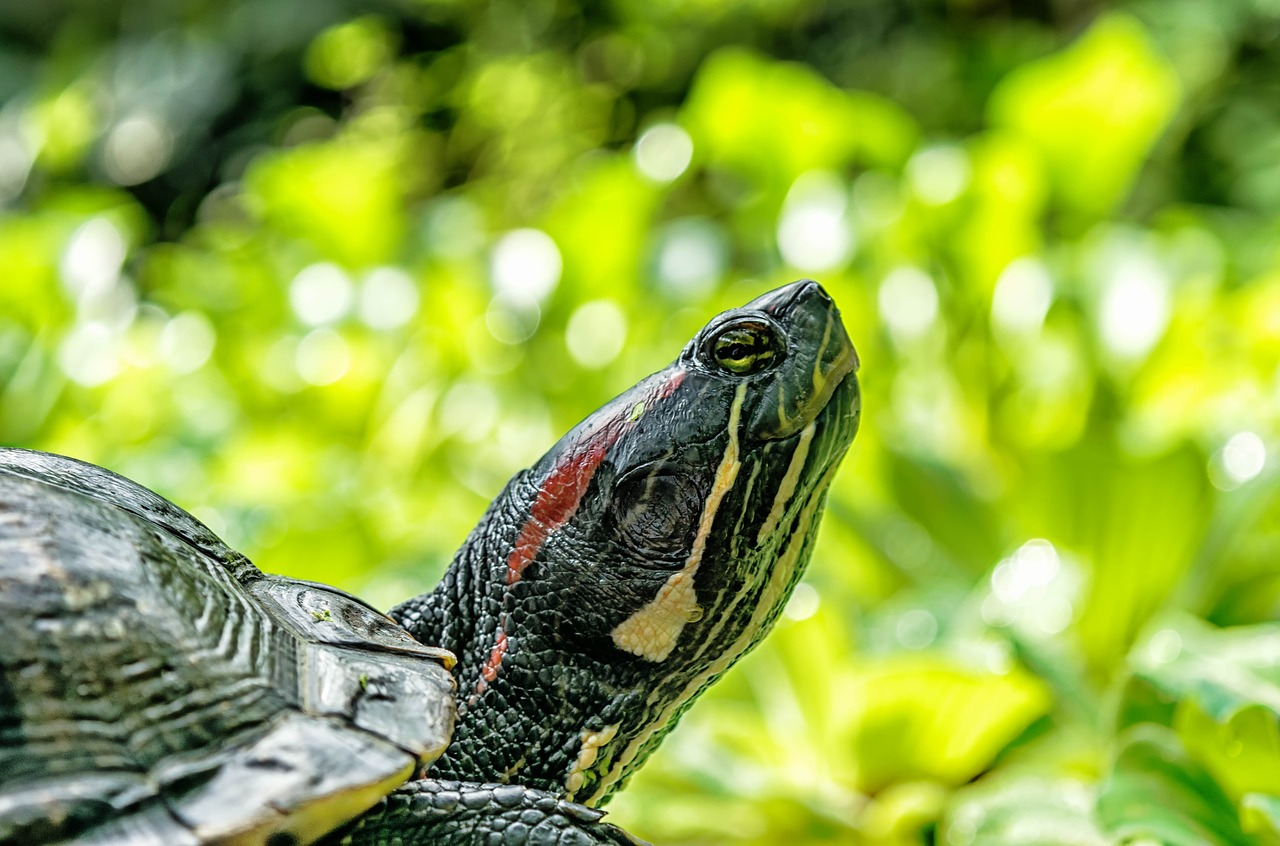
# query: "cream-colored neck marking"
592,743
652,631
769,598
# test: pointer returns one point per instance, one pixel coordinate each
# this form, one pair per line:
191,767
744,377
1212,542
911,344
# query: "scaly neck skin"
525,724
558,705
562,699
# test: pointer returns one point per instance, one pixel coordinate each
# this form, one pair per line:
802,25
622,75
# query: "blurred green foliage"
328,273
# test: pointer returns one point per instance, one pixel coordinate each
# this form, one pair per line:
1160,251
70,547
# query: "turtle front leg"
432,812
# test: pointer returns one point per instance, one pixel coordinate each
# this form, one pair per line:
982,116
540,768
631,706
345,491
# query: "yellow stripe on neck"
787,486
652,631
770,596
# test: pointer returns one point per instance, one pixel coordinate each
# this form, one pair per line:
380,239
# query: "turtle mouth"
821,403
845,365
818,360
835,422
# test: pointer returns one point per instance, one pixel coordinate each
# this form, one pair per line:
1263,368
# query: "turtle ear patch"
652,632
656,515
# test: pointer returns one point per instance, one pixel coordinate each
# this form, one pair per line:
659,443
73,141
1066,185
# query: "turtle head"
650,548
698,520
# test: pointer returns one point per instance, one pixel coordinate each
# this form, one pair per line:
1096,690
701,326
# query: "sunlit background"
328,273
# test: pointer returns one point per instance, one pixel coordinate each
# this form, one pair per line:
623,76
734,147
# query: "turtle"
158,688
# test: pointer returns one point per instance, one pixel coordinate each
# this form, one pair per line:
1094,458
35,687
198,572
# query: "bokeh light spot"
16,159
89,355
1241,459
596,333
1034,590
469,410
322,357
814,233
908,544
1164,646
663,152
455,227
142,339
938,175
692,258
511,320
803,603
187,341
1031,568
137,148
1244,456
279,366
916,629
526,263
876,201
1135,306
908,302
1054,615
1022,297
388,298
93,257
321,293
964,824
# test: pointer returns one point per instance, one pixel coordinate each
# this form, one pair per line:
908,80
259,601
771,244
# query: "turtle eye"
744,348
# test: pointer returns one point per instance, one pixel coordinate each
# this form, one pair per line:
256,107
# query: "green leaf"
1225,686
1223,670
1260,816
1157,793
1243,752
775,120
344,196
1094,110
923,717
1135,523
1022,809
1220,690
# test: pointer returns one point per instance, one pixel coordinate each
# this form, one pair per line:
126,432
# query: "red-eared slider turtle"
157,688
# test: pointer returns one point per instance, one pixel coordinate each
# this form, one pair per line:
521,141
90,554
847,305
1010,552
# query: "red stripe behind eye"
557,501
559,497
565,485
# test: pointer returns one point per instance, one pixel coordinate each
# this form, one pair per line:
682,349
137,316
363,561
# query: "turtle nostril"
804,291
783,300
814,289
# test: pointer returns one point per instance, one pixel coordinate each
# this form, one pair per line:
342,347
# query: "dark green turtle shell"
157,688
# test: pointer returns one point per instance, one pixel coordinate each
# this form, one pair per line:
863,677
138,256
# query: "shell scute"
156,687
